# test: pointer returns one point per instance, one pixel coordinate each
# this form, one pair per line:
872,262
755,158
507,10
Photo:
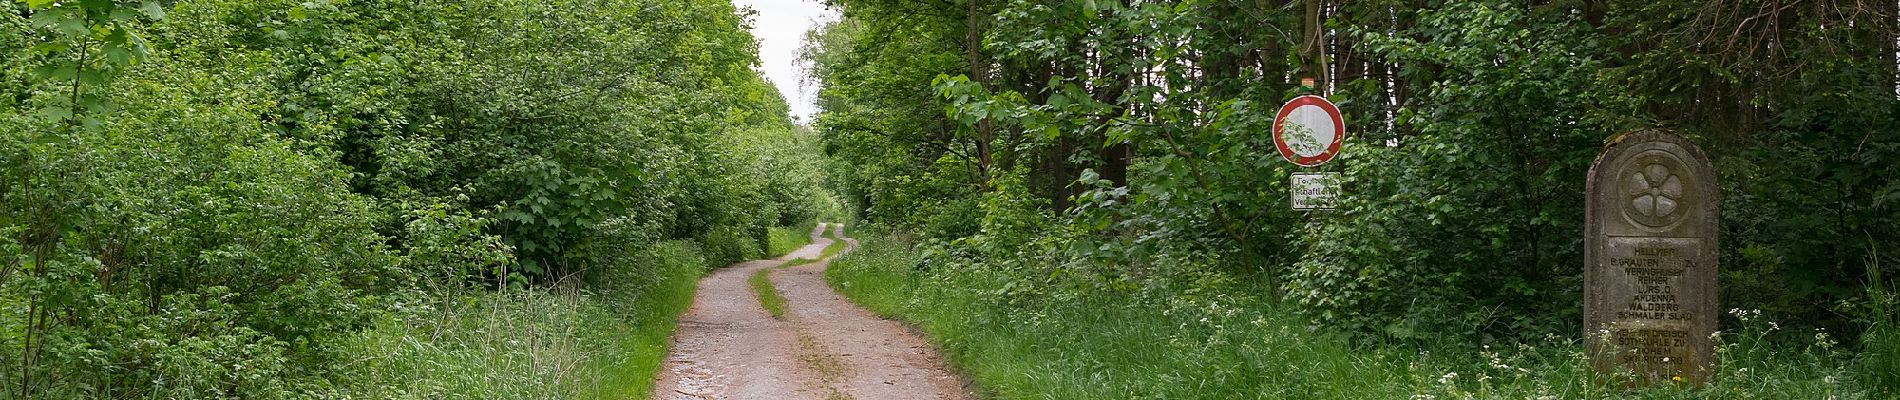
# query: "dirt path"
728,347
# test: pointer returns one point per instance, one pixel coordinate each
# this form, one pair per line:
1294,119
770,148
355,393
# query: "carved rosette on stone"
1650,260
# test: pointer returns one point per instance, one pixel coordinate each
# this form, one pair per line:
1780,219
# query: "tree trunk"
1116,156
1313,53
979,73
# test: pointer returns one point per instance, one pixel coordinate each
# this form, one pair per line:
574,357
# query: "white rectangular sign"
1315,190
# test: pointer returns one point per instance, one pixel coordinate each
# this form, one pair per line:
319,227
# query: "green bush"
209,198
179,242
726,245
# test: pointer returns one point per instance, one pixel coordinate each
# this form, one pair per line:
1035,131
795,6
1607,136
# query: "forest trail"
729,347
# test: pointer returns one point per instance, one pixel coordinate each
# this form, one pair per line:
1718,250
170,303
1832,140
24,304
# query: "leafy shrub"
205,198
727,245
181,243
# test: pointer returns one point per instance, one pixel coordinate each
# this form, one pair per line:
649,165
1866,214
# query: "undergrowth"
1017,336
604,340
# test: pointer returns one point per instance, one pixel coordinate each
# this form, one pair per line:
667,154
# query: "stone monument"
1650,260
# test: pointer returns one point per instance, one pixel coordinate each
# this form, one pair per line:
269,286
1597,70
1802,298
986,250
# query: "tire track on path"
728,347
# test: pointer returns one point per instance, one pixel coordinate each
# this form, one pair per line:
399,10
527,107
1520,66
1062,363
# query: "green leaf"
56,113
45,19
118,55
91,77
51,47
37,4
516,215
152,9
74,27
58,71
122,14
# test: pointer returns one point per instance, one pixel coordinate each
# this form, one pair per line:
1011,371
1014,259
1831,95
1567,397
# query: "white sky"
780,27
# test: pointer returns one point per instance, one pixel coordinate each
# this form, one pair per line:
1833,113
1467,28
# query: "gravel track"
728,347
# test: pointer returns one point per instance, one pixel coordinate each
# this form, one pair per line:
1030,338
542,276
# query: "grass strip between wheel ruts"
761,280
769,298
836,246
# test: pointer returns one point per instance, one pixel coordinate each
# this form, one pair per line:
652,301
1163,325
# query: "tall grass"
561,343
1017,339
1879,363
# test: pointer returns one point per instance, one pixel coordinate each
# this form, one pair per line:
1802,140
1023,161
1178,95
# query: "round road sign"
1308,131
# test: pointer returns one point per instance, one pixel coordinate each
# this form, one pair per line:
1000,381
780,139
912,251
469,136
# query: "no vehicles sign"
1308,131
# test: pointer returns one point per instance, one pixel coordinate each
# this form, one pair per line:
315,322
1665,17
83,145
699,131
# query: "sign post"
1308,131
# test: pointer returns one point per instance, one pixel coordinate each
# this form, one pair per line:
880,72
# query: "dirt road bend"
728,347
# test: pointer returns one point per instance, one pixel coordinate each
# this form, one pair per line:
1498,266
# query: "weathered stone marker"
1650,260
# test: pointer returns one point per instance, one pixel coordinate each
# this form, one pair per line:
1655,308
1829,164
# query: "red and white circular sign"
1308,131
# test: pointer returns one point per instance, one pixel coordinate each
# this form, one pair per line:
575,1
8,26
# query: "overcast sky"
780,27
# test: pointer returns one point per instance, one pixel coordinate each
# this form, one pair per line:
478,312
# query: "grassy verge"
602,342
1020,335
781,240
